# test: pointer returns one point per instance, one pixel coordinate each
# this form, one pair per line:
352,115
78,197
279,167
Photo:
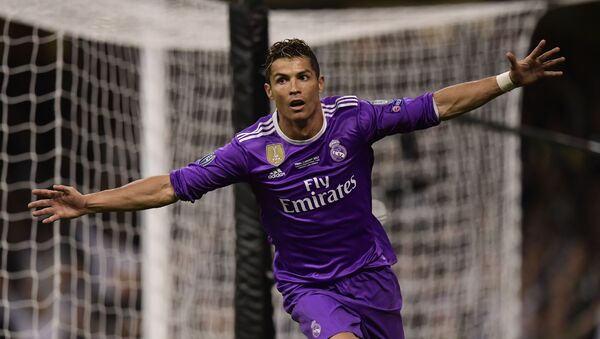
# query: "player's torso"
315,195
299,178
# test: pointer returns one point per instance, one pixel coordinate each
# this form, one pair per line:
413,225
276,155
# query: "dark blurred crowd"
561,185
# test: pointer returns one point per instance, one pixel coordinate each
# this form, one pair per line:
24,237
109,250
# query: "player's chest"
284,165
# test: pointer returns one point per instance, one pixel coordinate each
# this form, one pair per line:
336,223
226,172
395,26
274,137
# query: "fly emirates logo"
321,194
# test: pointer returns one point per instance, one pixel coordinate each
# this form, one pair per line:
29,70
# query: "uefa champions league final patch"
207,159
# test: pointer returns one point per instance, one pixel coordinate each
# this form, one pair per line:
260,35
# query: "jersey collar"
300,142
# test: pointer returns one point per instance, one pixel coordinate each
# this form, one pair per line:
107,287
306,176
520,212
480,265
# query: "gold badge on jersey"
275,154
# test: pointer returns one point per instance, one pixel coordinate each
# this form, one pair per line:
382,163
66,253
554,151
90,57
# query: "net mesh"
70,109
71,113
68,116
203,232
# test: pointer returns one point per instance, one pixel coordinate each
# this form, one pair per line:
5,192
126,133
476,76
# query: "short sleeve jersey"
314,195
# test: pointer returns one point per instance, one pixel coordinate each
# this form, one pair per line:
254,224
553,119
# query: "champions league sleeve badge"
207,159
337,151
315,327
275,154
397,105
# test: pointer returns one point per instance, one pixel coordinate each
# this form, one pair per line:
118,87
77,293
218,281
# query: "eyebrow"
282,74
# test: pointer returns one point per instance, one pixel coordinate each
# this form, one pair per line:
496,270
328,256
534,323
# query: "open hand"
62,202
535,66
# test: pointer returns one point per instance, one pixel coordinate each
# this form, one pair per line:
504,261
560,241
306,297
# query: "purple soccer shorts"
367,304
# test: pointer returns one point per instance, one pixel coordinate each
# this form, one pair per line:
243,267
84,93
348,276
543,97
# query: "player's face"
295,88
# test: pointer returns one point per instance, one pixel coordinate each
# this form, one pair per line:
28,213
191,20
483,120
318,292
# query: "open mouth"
296,103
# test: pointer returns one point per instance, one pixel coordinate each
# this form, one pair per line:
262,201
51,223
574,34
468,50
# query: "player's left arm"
458,99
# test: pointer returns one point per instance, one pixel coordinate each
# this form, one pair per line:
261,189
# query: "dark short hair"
290,48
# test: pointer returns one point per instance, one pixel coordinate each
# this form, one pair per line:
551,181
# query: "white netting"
70,104
452,193
68,115
203,232
71,101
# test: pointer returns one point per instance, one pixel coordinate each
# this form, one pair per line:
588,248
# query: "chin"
297,115
300,115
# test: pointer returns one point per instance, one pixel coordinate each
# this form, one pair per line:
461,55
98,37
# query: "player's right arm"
455,100
65,202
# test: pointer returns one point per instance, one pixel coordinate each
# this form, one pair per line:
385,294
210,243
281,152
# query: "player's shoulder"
335,105
339,101
264,126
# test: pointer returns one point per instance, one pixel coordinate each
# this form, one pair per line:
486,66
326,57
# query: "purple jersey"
314,195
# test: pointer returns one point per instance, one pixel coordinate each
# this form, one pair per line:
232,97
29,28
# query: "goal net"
95,95
99,97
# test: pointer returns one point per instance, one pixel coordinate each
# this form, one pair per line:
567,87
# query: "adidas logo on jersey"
277,173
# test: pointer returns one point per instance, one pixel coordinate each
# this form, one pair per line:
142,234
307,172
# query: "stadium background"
561,185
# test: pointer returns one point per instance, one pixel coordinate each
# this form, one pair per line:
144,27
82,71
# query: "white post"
155,222
56,280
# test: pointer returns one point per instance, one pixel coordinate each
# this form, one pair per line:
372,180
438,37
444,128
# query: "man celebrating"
309,164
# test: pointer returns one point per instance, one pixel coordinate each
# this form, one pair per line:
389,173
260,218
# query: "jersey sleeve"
224,166
380,118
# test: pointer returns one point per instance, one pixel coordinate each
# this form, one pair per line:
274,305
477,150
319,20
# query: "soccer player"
309,165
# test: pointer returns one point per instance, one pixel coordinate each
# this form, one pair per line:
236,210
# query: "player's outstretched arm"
65,202
458,99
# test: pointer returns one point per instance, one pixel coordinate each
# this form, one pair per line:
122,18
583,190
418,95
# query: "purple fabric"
315,197
367,304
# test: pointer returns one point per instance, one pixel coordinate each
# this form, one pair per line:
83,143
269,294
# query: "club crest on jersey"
337,151
316,328
275,154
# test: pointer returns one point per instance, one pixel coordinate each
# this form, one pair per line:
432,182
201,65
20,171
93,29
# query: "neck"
302,129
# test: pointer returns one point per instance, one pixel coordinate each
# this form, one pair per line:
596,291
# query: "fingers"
44,211
552,74
56,191
40,203
512,59
63,188
548,54
537,50
52,219
554,62
47,205
46,193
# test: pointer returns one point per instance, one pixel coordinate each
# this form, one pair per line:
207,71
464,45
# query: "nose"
293,87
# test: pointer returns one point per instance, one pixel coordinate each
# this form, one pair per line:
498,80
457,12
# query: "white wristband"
504,82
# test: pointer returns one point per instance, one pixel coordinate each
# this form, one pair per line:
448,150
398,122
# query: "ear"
267,88
321,83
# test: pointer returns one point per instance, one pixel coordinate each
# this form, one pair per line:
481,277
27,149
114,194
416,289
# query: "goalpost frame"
248,23
156,226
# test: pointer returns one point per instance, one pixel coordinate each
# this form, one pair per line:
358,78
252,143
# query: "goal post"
248,23
156,226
